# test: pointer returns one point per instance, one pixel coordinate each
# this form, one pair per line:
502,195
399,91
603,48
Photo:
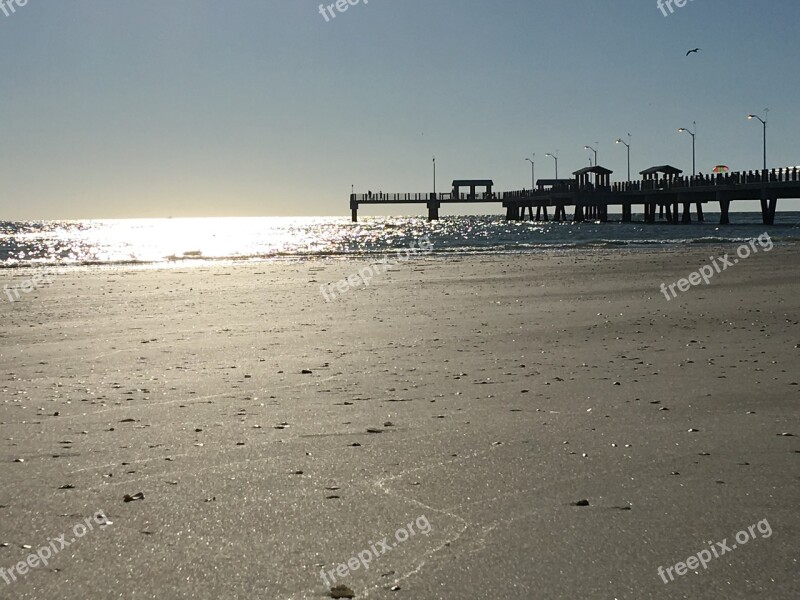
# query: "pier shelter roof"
602,176
598,170
665,169
473,183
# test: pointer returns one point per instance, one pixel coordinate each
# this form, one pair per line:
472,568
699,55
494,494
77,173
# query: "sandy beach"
276,436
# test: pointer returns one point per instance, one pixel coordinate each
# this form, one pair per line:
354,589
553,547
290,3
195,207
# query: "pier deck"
671,198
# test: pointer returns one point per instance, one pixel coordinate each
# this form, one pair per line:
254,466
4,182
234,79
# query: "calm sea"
165,242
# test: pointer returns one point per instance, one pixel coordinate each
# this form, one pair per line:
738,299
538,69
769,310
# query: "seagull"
696,50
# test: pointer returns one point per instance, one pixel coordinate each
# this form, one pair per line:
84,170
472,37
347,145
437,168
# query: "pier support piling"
768,207
687,213
433,208
652,212
353,208
724,208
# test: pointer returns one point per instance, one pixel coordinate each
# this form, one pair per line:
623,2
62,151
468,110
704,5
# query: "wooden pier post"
768,207
433,208
700,217
724,207
651,206
353,208
687,213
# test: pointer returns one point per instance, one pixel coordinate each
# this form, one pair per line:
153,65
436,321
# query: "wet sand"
275,435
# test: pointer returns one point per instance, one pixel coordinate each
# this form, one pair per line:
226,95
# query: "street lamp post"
533,171
764,123
555,158
593,150
628,146
434,176
694,137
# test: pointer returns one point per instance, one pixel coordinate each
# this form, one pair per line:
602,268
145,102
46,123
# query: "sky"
184,108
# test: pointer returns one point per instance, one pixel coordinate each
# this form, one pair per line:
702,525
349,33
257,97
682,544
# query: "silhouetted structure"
662,176
589,209
472,184
662,186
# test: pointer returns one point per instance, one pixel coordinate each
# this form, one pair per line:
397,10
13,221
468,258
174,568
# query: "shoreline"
602,249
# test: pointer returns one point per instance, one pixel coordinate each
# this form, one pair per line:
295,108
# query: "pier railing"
784,175
384,197
377,197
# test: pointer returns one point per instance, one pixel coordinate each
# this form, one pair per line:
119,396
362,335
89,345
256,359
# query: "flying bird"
696,50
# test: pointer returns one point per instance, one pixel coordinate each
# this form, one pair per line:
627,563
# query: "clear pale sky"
154,108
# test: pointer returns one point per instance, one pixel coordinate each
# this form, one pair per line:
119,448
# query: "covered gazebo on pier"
660,175
473,184
662,172
602,177
602,181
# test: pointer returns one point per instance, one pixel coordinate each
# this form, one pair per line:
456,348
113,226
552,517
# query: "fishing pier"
663,193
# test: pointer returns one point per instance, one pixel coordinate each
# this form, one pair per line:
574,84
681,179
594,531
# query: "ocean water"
168,242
